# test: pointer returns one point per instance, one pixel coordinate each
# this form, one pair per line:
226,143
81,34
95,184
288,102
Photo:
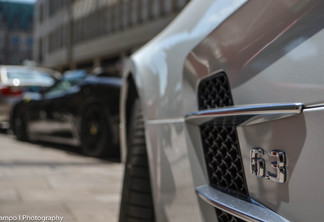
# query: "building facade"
16,32
72,34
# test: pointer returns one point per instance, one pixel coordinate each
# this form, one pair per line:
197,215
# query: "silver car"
221,115
14,80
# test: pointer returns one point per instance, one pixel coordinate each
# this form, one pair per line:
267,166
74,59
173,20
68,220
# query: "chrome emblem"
258,165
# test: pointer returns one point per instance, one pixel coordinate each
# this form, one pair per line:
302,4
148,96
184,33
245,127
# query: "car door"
55,119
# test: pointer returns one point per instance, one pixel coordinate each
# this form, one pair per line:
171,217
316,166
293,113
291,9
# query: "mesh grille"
220,143
223,158
214,92
225,217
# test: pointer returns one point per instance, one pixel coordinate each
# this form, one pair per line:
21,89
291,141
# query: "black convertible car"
79,109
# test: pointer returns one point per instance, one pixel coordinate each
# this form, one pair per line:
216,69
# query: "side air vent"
214,92
220,143
223,158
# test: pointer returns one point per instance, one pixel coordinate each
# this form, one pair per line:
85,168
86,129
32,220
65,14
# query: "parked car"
79,109
14,80
221,115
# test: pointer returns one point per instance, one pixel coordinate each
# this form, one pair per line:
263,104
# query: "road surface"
42,180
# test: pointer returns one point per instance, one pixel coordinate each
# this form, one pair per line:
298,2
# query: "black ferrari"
79,109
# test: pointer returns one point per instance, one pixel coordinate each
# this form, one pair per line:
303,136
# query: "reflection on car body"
221,115
79,109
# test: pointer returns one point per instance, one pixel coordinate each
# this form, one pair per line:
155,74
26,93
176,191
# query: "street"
42,180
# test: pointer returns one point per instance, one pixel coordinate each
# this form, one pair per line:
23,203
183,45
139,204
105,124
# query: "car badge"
258,165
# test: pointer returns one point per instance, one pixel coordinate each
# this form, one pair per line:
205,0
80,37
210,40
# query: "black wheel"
19,125
95,132
136,203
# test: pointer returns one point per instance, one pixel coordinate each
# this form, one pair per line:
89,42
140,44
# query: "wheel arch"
128,96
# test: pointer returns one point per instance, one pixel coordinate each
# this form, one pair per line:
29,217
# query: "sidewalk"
38,180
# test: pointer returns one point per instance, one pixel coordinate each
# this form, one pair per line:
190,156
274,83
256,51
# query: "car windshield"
27,76
69,80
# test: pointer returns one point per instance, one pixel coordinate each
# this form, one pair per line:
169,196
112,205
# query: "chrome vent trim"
245,115
249,211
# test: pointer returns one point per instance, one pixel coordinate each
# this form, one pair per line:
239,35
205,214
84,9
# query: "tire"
137,202
19,125
95,132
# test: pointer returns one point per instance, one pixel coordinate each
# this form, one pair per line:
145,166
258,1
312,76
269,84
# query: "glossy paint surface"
266,62
300,138
158,75
272,53
277,60
162,60
176,198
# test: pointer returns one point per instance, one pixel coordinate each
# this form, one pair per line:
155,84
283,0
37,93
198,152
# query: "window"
30,77
69,80
29,42
15,41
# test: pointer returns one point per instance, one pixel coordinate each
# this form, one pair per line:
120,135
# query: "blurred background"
45,177
77,34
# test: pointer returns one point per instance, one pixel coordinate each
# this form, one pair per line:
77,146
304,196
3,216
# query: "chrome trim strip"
165,121
314,105
245,115
244,210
